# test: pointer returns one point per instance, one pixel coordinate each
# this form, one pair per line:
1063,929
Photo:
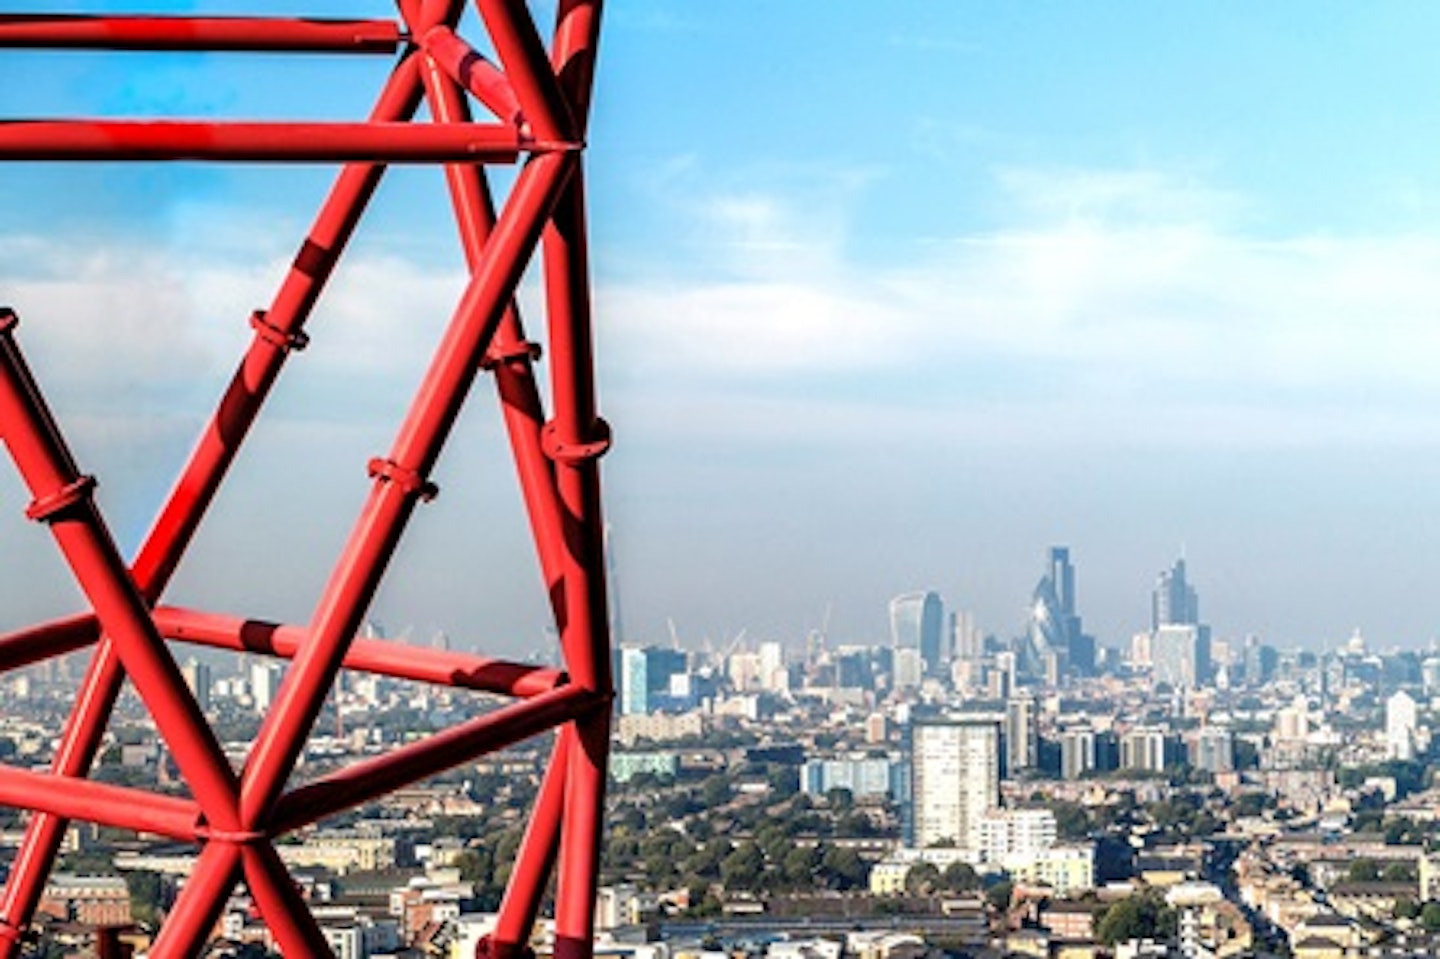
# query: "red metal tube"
579,873
200,903
577,34
363,781
386,657
208,464
74,754
101,803
510,357
282,327
258,34
535,859
576,437
55,638
373,540
281,904
473,72
61,499
243,142
513,33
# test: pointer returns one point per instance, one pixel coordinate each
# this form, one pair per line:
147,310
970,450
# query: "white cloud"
1118,289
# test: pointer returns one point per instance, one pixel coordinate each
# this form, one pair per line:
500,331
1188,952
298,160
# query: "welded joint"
572,453
410,482
519,350
287,341
8,322
475,73
46,509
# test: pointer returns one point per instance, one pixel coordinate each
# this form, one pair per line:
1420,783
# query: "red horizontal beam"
56,638
240,141
90,801
257,34
386,657
372,778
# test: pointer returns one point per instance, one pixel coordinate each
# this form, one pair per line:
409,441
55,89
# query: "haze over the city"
889,298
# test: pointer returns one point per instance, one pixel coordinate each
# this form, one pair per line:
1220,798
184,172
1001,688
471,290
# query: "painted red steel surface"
535,96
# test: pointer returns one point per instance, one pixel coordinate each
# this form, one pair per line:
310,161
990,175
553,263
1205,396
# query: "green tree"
999,894
1430,916
843,868
1143,916
960,877
743,868
922,879
147,895
1364,870
715,791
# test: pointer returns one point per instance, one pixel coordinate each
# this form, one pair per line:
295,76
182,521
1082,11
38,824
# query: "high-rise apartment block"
955,770
1401,721
645,673
1143,749
1077,753
1022,734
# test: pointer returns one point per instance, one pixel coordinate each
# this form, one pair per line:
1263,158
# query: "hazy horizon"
892,304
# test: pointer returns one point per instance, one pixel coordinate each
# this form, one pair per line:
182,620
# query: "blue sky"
891,296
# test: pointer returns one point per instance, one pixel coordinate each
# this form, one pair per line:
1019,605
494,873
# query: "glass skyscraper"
917,622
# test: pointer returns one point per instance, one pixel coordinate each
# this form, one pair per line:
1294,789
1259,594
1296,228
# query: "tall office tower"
1055,641
197,676
955,779
908,669
968,641
1401,720
1062,575
1180,656
645,673
1174,602
1077,753
917,622
1022,734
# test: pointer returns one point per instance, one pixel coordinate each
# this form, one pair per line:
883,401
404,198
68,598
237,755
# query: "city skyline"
1170,282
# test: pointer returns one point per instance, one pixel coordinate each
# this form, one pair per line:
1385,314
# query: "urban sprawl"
945,792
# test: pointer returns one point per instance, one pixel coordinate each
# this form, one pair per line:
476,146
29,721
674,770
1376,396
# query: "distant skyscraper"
645,673
1401,720
917,622
1055,642
955,769
612,591
1180,643
1022,734
197,677
1180,655
1174,601
1214,750
1077,753
264,680
1143,749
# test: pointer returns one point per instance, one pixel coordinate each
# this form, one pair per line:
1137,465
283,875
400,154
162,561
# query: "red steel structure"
536,98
